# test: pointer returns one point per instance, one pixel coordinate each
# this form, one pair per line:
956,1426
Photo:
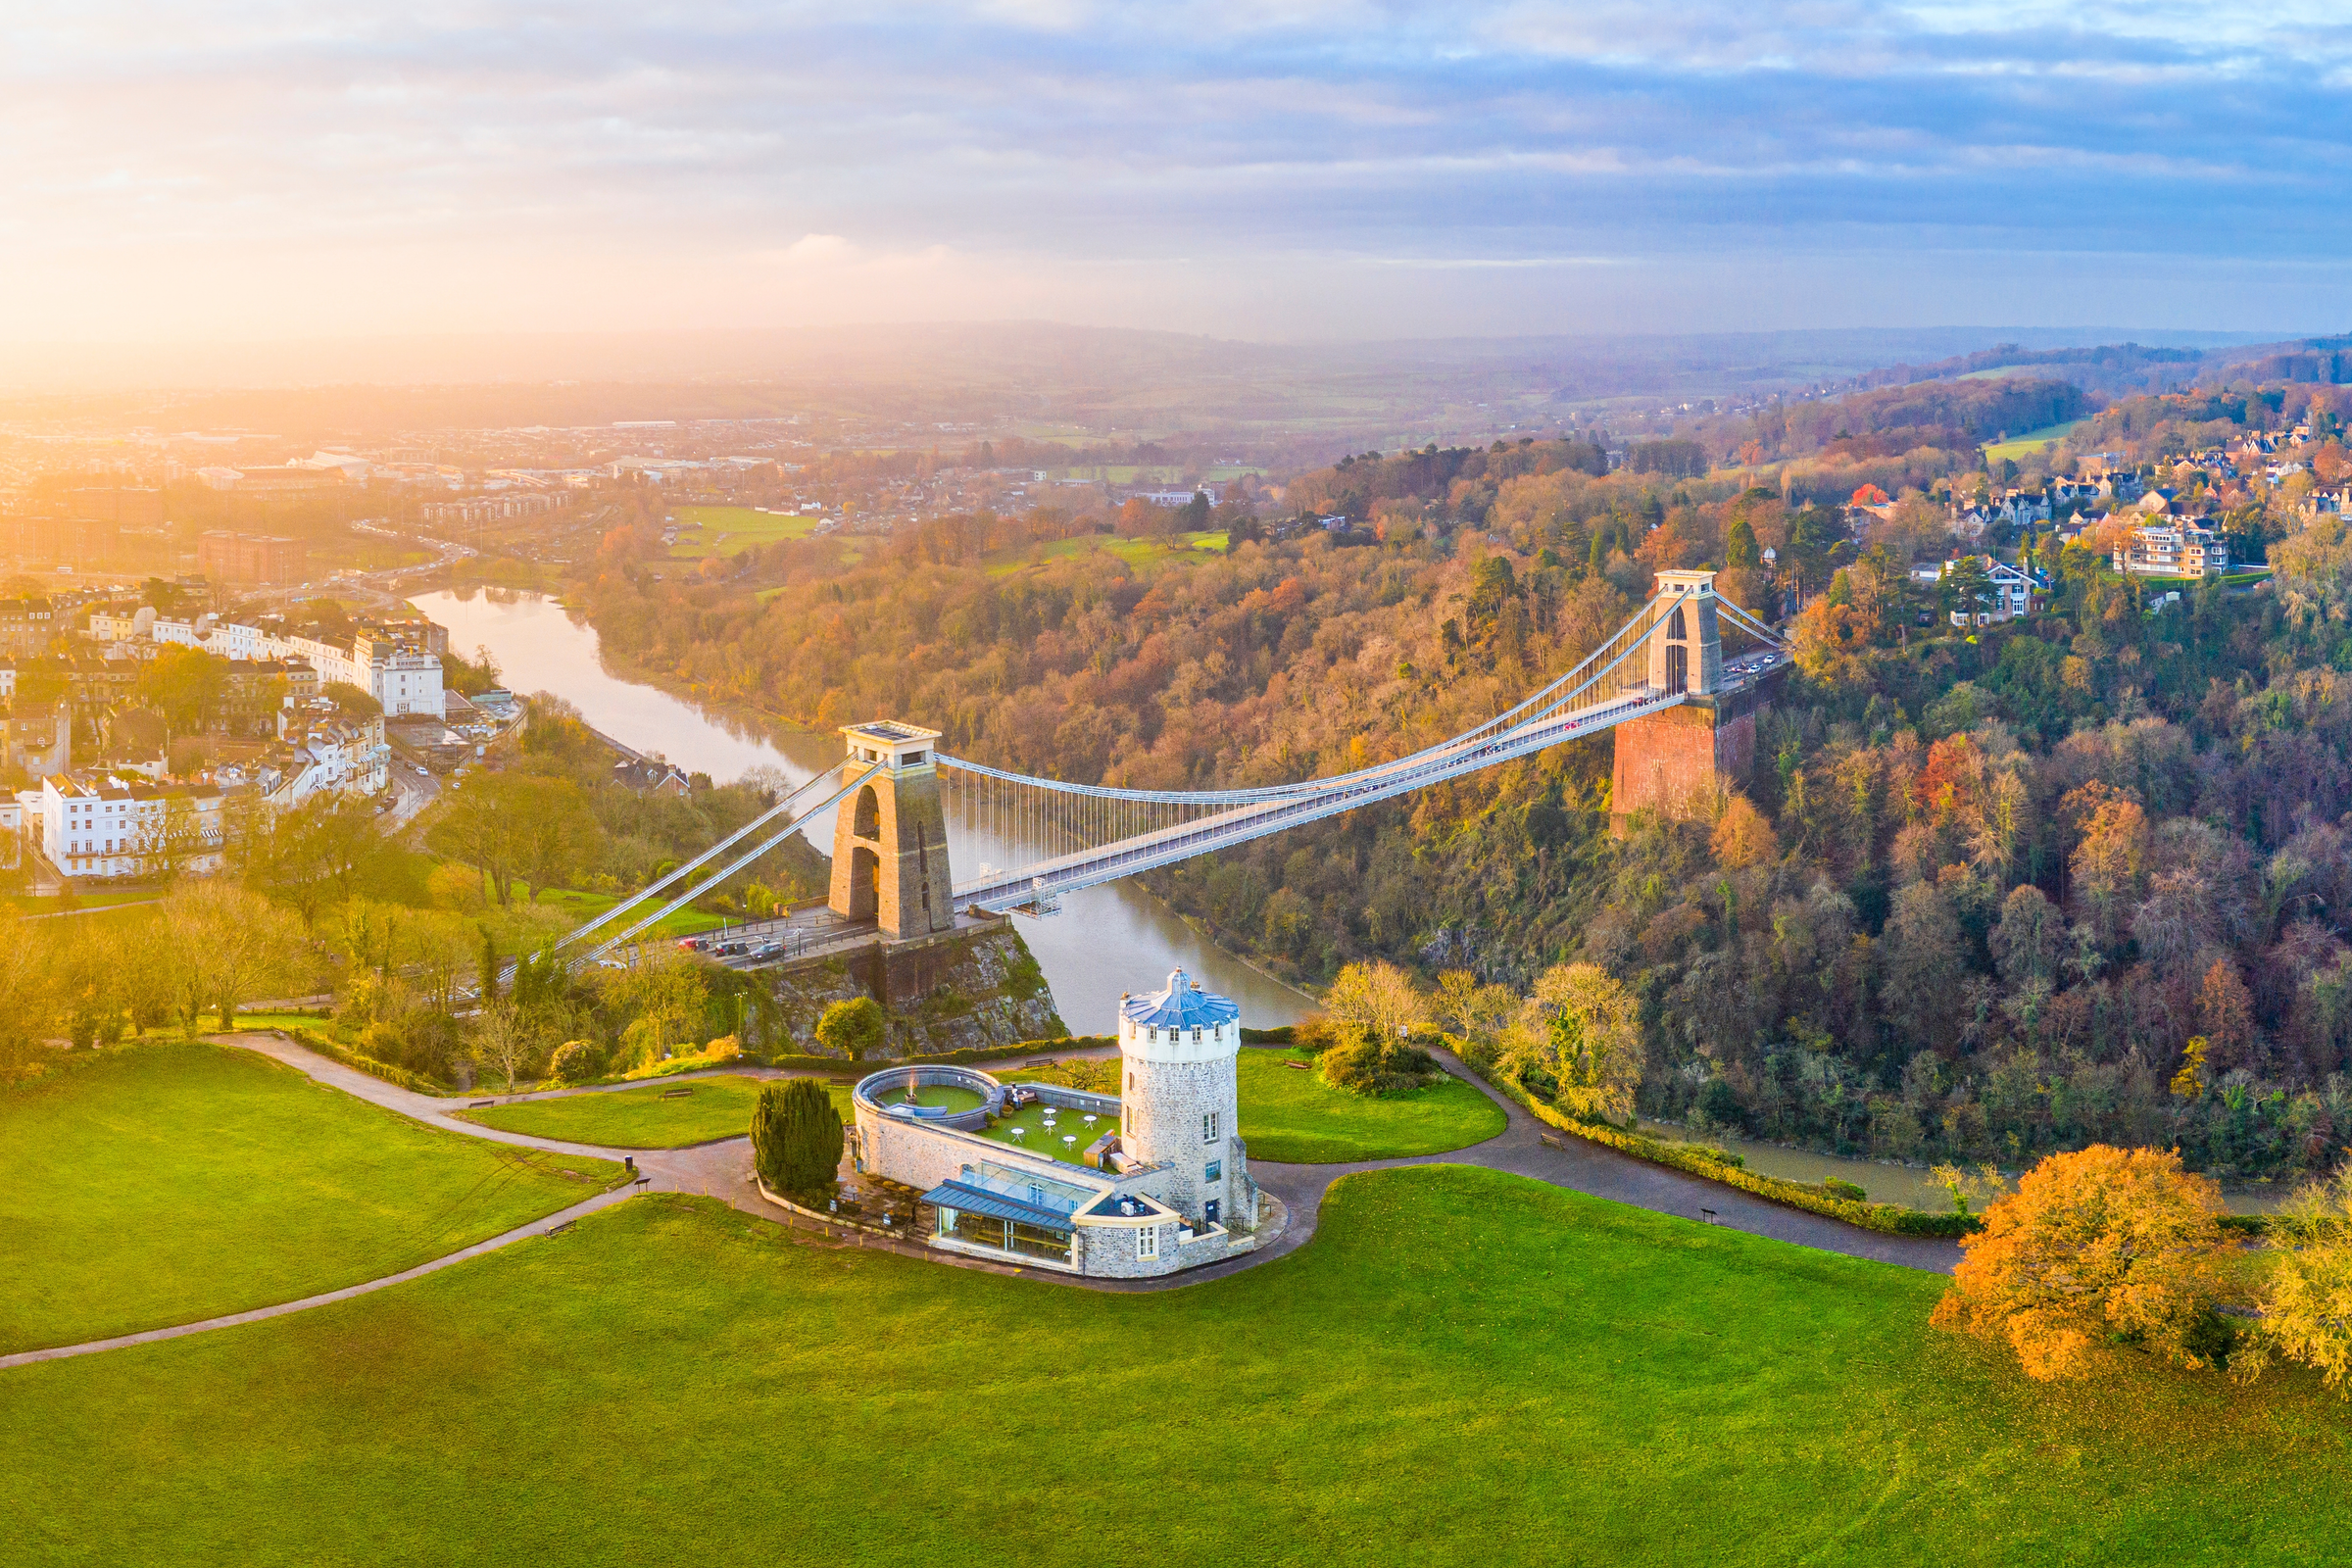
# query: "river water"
1106,940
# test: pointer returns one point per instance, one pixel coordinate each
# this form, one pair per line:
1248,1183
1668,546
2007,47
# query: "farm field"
166,1183
730,530
585,907
2021,447
1463,1367
1294,1117
642,1118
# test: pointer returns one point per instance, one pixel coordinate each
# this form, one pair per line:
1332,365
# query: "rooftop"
1182,1004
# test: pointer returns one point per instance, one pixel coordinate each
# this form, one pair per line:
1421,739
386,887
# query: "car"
732,950
692,944
768,950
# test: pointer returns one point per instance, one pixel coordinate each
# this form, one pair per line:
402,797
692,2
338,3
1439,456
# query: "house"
2012,591
100,825
2181,549
651,775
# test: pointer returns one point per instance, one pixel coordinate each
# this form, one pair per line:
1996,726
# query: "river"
1106,940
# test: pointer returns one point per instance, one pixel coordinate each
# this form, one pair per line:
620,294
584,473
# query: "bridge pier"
889,840
1677,761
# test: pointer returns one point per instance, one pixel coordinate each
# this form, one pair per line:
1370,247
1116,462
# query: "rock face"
960,990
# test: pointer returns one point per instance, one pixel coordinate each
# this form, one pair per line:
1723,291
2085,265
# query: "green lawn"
2031,442
1036,1137
166,1183
1292,1116
731,531
1462,1368
1138,553
718,1107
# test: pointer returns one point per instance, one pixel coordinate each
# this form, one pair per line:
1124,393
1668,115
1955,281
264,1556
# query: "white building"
405,681
2174,550
116,827
2012,592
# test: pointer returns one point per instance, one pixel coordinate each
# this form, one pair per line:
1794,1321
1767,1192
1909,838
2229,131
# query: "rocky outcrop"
960,990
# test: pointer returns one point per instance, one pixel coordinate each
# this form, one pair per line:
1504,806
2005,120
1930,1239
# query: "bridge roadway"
1088,867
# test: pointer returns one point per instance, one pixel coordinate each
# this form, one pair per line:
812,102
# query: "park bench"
480,1103
676,1094
1303,1067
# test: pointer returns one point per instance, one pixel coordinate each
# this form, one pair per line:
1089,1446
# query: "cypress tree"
796,1136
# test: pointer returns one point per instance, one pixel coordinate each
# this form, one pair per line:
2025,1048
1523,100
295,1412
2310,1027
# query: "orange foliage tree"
2094,1249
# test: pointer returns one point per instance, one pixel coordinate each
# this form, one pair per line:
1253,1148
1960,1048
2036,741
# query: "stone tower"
1179,1102
1675,760
889,840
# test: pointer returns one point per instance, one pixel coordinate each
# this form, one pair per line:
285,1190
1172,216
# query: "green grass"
1031,1121
586,906
1462,1368
2031,442
1137,553
731,531
718,1106
166,1183
1294,1117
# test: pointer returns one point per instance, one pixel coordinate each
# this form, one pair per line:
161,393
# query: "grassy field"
731,531
1294,1117
1137,553
168,1183
1040,1139
718,1106
586,906
2024,446
1462,1368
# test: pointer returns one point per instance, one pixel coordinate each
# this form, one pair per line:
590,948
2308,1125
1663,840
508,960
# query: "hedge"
1894,1220
1279,1035
400,1077
951,1058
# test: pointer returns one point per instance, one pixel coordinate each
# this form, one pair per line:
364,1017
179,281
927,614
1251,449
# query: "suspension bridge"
896,795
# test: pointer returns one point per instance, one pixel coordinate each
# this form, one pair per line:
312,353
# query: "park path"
724,1170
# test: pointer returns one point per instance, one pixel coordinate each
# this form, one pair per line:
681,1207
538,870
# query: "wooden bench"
676,1094
480,1103
1303,1067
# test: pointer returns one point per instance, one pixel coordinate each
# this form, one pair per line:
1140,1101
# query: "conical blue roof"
1181,1005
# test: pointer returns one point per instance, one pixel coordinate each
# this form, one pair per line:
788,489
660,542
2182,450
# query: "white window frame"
1208,1126
1147,1242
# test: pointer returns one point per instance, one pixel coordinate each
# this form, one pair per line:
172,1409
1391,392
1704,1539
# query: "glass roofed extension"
1010,1210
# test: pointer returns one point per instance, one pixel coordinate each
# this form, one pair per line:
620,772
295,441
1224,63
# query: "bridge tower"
889,840
1675,760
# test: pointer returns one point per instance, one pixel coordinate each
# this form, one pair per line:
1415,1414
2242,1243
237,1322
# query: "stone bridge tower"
890,839
1674,761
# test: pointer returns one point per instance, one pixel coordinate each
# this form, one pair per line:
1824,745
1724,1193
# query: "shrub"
1846,1190
574,1061
796,1137
1370,1063
853,1028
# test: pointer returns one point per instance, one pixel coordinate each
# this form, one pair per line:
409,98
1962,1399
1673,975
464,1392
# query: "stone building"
1161,1185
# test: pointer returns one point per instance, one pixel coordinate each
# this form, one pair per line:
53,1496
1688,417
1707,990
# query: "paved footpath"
724,1170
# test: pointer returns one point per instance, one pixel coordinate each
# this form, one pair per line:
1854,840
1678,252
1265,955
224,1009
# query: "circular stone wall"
873,1086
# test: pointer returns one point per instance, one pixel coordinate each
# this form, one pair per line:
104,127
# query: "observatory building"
1150,1181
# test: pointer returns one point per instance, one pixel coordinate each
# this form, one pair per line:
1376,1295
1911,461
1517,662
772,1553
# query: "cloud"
238,165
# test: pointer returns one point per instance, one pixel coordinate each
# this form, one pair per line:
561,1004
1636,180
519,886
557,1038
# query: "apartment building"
2181,549
109,825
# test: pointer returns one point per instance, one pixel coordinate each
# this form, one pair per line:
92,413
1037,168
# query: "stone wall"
1674,761
1160,1121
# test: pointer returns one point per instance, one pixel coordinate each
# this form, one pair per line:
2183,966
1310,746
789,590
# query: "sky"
1281,170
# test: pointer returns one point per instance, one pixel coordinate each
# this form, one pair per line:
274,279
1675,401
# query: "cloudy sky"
1282,168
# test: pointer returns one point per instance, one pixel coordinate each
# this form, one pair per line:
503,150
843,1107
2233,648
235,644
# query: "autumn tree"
230,944
1581,1029
2108,866
2097,1250
1924,967
2307,1297
1743,836
1378,997
1476,1014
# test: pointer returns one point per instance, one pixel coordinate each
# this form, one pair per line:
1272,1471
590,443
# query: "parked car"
732,950
768,950
694,944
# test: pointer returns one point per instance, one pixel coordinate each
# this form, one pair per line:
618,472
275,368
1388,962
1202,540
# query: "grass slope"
1296,1118
1463,1368
640,1118
168,1183
1137,553
2024,446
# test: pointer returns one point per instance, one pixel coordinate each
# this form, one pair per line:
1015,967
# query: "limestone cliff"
962,990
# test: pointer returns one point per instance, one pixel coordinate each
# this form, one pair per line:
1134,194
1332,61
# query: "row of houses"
397,665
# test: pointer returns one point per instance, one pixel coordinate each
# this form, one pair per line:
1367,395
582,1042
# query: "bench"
676,1094
1303,1067
480,1103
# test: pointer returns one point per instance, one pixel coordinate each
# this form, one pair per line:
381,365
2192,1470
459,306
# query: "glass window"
1147,1242
1208,1127
1216,1170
